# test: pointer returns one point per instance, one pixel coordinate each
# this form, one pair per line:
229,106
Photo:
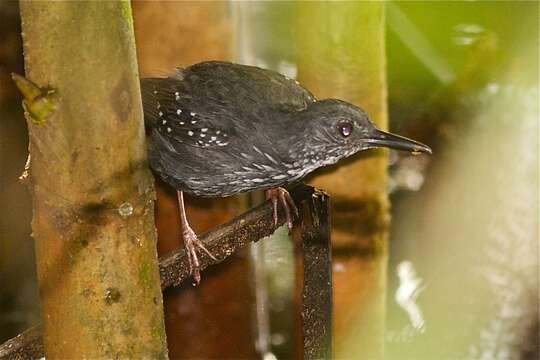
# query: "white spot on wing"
267,168
271,158
190,133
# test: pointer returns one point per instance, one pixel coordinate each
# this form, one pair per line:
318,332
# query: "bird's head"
338,129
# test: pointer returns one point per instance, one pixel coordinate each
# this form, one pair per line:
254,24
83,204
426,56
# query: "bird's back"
217,87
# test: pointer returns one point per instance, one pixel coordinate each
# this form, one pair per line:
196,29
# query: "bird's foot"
192,244
287,203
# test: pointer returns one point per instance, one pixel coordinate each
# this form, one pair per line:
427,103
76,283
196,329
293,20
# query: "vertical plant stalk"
317,279
341,55
206,34
92,192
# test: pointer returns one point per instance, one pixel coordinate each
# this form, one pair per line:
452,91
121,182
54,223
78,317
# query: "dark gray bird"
218,129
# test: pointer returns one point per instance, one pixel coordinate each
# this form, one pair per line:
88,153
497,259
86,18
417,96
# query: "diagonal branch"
222,241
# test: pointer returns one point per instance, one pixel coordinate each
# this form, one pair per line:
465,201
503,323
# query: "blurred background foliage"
463,258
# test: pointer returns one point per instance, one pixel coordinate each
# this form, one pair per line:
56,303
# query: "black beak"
383,139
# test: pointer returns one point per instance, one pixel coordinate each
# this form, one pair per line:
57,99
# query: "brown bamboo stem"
205,28
92,192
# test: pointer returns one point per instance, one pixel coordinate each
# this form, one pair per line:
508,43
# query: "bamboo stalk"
92,192
203,33
341,55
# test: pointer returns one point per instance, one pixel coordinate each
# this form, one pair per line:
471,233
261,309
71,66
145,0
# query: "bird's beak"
383,139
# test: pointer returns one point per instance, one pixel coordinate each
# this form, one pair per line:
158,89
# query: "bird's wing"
168,111
212,103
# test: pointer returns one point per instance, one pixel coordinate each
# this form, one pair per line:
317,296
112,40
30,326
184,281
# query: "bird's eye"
345,129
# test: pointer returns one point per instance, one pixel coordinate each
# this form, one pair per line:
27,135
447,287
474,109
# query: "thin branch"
222,242
28,345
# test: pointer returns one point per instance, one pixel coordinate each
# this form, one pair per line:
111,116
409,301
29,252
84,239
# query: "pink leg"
191,241
286,202
270,195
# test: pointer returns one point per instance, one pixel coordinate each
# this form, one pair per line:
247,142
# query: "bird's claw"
191,244
286,202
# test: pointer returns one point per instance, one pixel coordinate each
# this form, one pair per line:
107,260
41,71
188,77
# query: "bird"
216,129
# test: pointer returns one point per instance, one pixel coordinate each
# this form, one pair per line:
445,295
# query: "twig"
222,241
28,345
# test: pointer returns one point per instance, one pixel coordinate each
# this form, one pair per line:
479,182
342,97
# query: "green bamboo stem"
92,192
341,55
